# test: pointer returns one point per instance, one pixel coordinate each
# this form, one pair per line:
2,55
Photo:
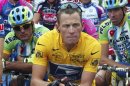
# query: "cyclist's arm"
19,67
1,49
87,78
105,59
38,72
36,18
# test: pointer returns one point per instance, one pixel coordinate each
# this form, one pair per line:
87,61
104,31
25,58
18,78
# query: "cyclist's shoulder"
10,37
40,28
10,34
2,3
105,23
87,38
50,35
127,16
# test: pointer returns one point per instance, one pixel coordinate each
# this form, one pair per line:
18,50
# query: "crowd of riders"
35,36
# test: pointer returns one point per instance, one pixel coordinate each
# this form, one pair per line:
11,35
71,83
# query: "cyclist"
115,32
88,24
93,12
72,56
5,7
45,13
20,43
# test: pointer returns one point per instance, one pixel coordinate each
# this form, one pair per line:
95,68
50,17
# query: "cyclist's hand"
0,81
61,84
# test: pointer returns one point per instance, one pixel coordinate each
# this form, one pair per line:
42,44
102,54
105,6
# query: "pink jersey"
22,2
90,28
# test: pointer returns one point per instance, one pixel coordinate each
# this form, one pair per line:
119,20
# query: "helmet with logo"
110,4
20,15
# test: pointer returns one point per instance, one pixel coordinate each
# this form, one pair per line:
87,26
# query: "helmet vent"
18,17
22,16
17,10
12,12
121,1
28,14
14,18
23,10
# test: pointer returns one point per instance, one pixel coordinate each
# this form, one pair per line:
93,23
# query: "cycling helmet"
110,4
20,15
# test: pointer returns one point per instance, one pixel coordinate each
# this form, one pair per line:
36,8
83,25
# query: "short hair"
69,9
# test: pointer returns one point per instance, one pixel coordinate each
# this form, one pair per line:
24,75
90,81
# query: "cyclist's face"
24,32
51,1
70,27
116,15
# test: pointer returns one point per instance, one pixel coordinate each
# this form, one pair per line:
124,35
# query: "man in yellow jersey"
66,53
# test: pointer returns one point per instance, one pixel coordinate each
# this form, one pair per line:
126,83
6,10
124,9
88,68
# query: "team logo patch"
39,54
1,27
94,62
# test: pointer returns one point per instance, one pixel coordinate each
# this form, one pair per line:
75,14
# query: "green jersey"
16,47
117,37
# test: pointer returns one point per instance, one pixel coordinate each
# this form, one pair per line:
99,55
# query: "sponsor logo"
94,52
40,44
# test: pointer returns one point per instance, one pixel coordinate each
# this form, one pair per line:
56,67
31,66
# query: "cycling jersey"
2,32
5,8
94,12
65,1
117,37
89,28
13,44
48,13
52,52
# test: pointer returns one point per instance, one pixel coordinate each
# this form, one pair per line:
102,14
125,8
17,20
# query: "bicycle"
64,80
115,78
20,79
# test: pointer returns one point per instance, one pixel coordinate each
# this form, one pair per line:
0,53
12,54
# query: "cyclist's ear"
57,26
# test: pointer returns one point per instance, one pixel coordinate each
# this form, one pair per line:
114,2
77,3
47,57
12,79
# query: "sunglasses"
70,5
25,26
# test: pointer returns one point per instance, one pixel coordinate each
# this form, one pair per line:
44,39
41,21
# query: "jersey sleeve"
103,32
38,7
40,54
9,43
39,30
25,3
94,57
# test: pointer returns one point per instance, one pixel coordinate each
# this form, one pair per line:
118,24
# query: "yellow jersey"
50,51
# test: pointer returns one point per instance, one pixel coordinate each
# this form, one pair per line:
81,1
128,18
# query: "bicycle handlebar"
110,68
116,69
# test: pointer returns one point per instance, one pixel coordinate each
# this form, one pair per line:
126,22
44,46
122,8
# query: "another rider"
66,53
5,7
115,32
94,12
19,44
45,13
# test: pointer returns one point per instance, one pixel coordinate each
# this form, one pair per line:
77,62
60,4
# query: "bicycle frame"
115,69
